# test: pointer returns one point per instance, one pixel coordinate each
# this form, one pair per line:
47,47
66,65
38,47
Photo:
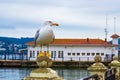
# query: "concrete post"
98,68
116,64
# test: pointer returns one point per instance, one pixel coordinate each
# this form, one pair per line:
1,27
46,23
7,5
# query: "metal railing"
92,77
110,74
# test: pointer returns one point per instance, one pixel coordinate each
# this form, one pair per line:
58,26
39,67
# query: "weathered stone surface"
116,64
97,58
98,67
43,74
44,60
32,78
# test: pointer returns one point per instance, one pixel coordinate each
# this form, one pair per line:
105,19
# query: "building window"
37,53
116,48
88,54
83,54
54,53
97,53
92,54
78,54
73,54
69,54
60,54
30,54
102,54
33,54
51,54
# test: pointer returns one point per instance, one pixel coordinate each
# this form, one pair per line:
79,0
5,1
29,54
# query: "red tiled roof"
115,36
75,41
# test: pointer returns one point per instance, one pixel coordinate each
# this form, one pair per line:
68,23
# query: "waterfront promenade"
23,61
64,64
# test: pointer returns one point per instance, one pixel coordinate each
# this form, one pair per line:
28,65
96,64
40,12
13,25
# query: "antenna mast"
106,31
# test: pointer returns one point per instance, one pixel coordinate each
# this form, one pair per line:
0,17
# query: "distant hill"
119,40
23,40
10,40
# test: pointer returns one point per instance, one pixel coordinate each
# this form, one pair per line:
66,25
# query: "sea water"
20,73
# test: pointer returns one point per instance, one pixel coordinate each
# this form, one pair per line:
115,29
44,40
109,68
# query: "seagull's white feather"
45,35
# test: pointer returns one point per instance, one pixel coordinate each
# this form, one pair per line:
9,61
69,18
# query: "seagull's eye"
50,21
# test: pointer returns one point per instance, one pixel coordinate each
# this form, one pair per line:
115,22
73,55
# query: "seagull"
45,35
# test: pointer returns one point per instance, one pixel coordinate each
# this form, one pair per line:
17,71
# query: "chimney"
105,39
87,40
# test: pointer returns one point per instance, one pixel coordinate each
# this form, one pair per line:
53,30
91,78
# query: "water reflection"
13,73
19,73
72,74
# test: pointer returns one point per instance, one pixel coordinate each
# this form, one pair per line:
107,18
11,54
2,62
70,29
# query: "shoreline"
55,64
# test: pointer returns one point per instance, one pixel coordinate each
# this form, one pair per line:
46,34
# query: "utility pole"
114,25
106,31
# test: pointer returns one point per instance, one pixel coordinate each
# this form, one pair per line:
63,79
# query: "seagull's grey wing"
36,37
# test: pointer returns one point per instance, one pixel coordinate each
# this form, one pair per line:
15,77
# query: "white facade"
75,52
115,41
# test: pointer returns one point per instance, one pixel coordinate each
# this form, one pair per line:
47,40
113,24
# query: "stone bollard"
116,64
98,68
44,61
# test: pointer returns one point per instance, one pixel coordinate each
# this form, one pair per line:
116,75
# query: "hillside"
13,45
10,40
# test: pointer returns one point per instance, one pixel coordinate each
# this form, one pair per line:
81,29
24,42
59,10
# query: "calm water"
19,73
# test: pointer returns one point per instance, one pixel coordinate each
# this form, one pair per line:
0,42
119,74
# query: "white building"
77,49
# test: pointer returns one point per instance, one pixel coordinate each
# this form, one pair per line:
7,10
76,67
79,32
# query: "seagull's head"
50,23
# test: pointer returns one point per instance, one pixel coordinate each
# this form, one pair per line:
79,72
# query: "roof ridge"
76,41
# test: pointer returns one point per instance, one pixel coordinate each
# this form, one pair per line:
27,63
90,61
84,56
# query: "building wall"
74,53
115,41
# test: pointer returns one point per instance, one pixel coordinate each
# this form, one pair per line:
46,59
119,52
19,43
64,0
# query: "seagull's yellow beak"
55,24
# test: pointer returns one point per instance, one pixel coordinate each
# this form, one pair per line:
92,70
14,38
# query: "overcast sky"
77,18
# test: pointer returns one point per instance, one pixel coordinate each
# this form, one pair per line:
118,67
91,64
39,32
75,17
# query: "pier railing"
93,77
21,56
109,75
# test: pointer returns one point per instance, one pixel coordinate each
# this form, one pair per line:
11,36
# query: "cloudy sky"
77,18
